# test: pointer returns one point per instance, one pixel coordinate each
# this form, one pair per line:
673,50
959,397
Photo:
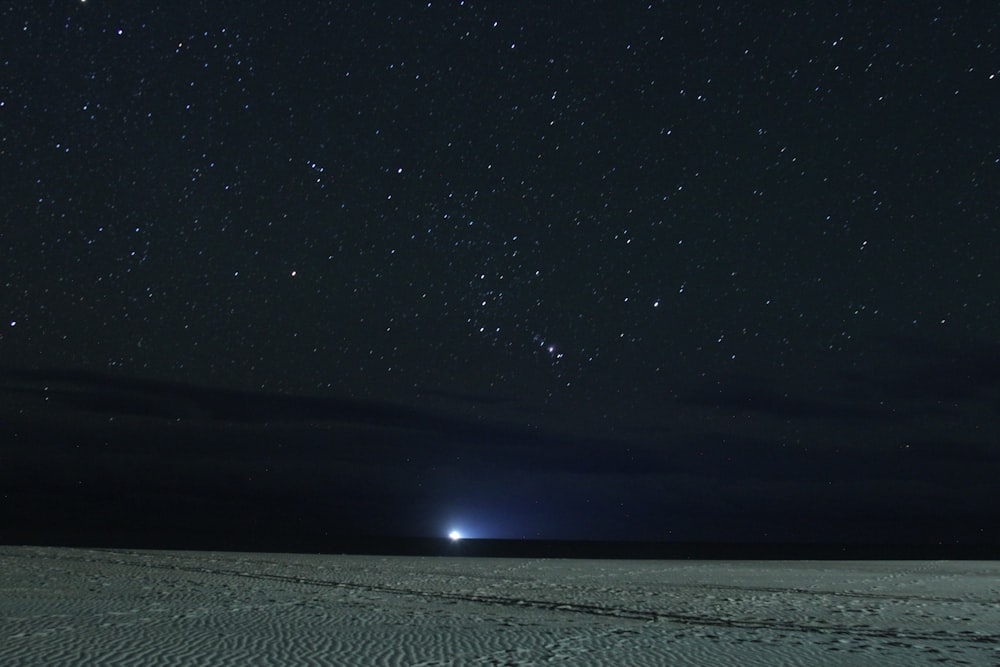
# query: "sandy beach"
119,607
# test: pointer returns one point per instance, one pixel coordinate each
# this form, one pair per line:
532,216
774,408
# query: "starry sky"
629,271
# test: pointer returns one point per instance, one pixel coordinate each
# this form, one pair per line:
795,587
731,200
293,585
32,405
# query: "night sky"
607,271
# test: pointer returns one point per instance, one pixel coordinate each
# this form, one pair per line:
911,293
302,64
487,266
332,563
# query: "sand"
116,607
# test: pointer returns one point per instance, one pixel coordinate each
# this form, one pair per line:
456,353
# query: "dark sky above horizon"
615,271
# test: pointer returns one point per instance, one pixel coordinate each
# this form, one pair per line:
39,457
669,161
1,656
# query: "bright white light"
455,535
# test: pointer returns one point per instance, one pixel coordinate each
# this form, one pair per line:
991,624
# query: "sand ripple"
104,607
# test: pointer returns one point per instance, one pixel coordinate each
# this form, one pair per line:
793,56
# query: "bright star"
455,536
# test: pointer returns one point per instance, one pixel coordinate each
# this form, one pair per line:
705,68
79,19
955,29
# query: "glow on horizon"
455,536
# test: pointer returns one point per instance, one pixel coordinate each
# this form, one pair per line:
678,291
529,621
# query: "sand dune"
110,607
